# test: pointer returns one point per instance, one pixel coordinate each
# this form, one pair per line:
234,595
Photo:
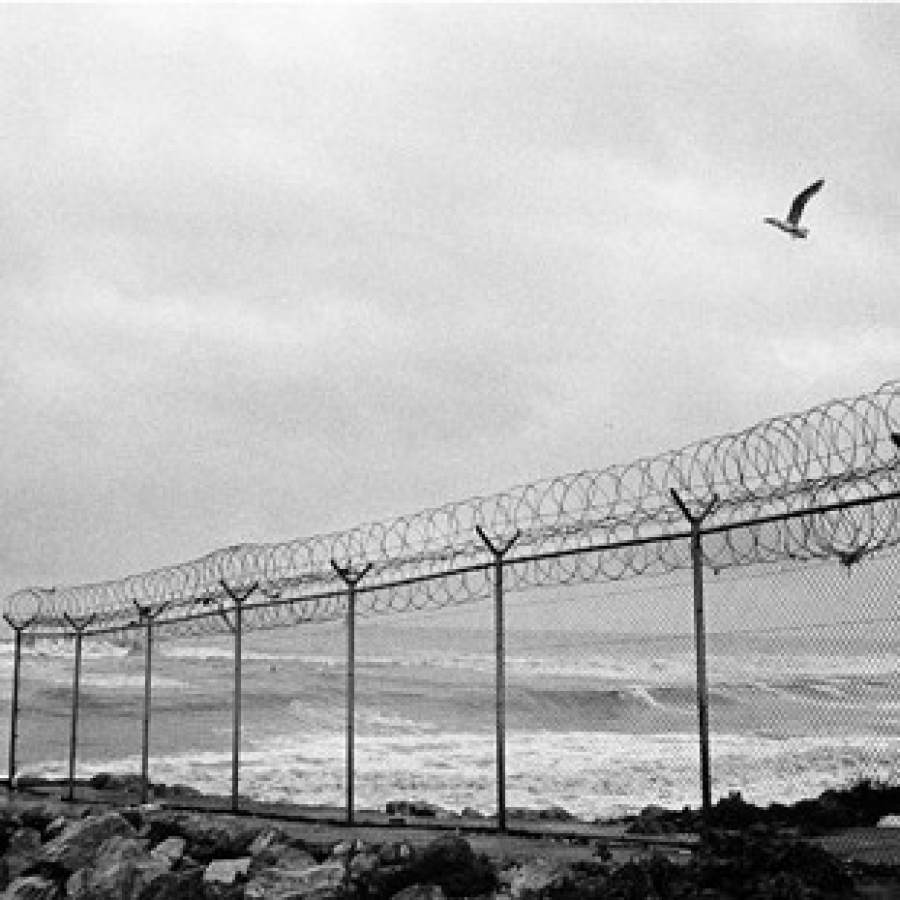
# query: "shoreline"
555,857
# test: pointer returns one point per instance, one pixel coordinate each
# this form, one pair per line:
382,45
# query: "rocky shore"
53,850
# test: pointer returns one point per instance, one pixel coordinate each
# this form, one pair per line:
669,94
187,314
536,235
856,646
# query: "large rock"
533,879
266,838
38,815
207,839
397,852
23,849
122,870
417,809
34,887
318,882
450,862
117,781
55,828
185,884
226,871
421,892
10,819
363,864
172,849
285,856
79,844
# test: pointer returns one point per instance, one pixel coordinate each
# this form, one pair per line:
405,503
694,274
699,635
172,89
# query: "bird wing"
800,201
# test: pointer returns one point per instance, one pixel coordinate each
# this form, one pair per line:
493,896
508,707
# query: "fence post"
236,628
498,552
146,616
351,579
78,626
18,628
696,523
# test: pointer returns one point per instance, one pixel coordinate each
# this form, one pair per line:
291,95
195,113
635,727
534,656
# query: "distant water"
599,724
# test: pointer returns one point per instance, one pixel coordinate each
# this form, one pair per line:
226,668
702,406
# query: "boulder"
318,882
226,871
10,819
38,815
180,885
418,808
118,849
420,892
210,839
348,848
55,828
34,887
78,844
892,821
533,879
159,824
363,864
172,849
178,791
287,856
123,868
23,849
450,862
653,820
397,852
117,781
556,814
266,838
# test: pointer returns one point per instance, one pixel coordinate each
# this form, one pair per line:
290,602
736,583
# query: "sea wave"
589,773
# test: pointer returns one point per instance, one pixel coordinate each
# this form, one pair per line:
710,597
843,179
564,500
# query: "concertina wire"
591,526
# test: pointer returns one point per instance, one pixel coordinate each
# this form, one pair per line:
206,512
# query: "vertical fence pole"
236,724
14,708
78,626
696,522
237,629
73,737
18,628
145,725
146,617
351,579
498,552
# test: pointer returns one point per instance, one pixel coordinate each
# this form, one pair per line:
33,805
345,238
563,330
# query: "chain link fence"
599,699
721,618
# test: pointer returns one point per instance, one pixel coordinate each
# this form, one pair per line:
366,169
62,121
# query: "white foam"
92,648
589,773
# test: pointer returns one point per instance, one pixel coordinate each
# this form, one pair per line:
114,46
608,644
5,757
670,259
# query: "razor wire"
609,524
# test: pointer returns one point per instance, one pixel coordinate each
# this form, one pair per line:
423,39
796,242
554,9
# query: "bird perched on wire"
791,225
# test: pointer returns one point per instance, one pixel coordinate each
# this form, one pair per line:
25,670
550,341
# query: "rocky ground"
51,849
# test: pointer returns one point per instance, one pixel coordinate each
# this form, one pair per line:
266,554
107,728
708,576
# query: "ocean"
599,723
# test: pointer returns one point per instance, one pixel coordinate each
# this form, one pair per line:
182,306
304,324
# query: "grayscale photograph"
450,451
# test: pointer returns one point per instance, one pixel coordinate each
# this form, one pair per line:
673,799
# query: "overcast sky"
269,272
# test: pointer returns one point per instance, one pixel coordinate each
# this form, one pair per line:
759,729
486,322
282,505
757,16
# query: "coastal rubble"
56,851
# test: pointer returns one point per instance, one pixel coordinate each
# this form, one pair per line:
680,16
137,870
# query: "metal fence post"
18,628
498,552
237,629
147,616
78,626
351,579
696,522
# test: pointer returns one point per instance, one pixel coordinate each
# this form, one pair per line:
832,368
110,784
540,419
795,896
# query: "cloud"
273,270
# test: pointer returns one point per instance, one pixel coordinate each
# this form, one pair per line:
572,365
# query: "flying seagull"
791,225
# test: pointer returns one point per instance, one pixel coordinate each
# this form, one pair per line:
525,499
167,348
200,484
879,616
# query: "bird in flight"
791,225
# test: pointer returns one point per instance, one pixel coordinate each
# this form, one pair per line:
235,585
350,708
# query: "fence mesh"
599,706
